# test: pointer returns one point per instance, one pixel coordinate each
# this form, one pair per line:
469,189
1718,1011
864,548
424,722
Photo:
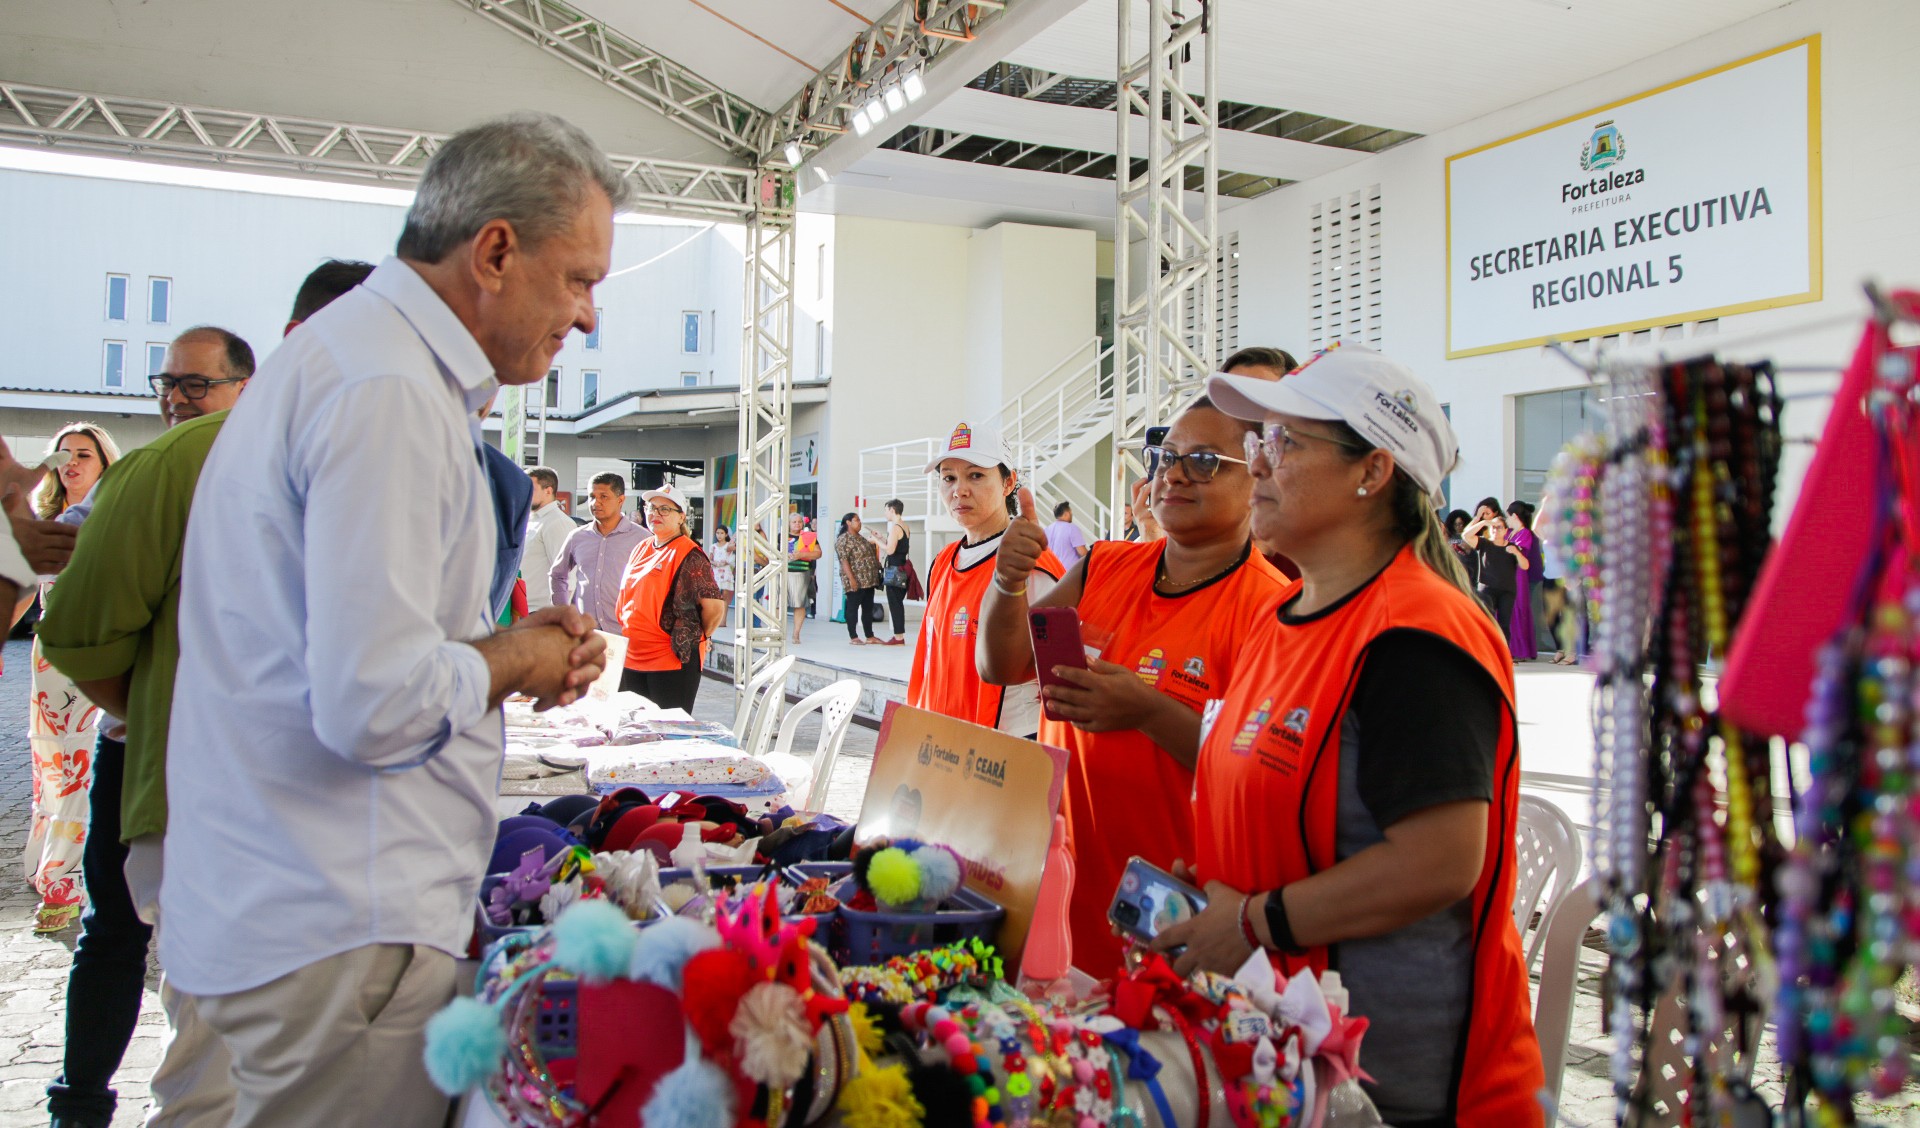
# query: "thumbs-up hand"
1021,545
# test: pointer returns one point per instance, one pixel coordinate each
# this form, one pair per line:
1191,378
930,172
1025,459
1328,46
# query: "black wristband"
1278,926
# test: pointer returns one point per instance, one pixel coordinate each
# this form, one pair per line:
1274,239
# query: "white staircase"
1051,429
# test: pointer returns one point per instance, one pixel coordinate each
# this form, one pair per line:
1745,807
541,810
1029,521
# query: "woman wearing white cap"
976,483
1357,786
669,607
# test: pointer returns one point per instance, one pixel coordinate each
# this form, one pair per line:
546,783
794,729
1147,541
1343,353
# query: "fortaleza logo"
986,769
1401,405
1606,148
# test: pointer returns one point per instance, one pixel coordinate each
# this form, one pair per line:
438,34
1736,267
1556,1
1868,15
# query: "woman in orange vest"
976,483
1357,788
669,606
1168,617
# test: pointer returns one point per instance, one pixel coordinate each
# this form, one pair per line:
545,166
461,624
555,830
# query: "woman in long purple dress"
1520,625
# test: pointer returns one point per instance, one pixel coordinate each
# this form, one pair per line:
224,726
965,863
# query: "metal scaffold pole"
766,417
1166,237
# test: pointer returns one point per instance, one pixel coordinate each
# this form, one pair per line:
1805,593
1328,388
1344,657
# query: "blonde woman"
61,723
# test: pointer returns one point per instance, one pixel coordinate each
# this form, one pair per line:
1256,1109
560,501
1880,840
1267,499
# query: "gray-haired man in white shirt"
336,734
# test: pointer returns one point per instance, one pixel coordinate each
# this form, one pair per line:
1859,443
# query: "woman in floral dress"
61,722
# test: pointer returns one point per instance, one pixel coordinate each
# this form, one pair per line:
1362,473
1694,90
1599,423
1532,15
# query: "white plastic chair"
835,704
1546,860
765,694
1565,930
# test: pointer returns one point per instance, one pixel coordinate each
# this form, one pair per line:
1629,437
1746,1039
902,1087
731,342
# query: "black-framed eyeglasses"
1201,465
192,387
1276,439
661,510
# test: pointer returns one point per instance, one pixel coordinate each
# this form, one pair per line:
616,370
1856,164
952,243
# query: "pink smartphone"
1056,642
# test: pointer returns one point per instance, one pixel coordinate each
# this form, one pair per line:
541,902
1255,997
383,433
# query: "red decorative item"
629,1034
713,982
1803,595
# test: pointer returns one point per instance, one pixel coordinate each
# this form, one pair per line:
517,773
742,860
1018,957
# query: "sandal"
55,918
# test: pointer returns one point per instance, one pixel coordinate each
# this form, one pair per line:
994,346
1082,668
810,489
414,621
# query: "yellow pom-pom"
894,877
881,1098
866,1032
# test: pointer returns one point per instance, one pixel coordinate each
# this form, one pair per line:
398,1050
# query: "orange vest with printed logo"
945,679
1125,794
643,593
1267,795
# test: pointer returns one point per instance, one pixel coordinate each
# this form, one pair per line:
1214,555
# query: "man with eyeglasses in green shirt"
114,629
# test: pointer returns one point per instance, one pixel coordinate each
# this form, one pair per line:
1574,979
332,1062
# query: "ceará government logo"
1605,147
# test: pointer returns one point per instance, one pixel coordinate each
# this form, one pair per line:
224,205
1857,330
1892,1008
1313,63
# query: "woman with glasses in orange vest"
1168,617
669,606
974,479
1358,784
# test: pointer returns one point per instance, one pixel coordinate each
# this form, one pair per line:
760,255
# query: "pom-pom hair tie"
662,950
894,877
594,940
465,1043
696,1095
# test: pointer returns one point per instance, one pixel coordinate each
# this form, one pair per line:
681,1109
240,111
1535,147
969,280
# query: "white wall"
1870,121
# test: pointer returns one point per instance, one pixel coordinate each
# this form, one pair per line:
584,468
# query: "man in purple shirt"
1064,537
600,550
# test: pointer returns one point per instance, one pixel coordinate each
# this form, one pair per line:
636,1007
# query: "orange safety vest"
1267,796
644,587
945,678
1125,794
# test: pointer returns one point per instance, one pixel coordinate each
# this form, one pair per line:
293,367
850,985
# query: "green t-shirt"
116,607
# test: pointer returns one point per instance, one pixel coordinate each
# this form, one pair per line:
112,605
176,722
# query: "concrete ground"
33,968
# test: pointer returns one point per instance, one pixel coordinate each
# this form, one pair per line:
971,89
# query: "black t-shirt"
1429,722
1499,569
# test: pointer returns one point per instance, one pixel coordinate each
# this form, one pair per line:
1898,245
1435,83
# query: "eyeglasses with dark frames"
1276,439
192,387
1201,465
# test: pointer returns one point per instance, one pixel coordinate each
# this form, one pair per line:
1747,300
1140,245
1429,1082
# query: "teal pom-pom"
465,1044
939,874
663,949
696,1095
594,940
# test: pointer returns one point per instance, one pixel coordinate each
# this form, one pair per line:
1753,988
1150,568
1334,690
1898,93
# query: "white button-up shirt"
333,762
548,528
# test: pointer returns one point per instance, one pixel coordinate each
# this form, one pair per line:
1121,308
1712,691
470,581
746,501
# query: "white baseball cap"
670,493
977,444
1381,399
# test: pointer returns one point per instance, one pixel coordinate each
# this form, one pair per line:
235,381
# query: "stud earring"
1362,491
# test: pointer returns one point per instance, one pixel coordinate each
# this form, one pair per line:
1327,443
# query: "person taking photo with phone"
1498,561
1357,787
974,479
1167,617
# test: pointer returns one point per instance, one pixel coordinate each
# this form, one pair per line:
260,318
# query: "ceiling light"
914,86
876,112
896,101
794,154
821,173
861,126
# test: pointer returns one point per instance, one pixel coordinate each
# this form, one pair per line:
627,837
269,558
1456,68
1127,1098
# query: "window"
1543,423
156,358
690,331
1226,300
116,297
819,351
159,300
113,366
550,394
589,389
689,379
1346,302
820,273
593,338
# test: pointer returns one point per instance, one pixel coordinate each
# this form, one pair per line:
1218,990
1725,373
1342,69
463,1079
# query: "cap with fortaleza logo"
973,443
1381,399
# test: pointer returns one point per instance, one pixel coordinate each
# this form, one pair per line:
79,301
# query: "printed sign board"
1693,201
990,796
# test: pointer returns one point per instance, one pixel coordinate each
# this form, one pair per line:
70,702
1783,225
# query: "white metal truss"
766,420
596,48
246,141
912,34
1164,324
